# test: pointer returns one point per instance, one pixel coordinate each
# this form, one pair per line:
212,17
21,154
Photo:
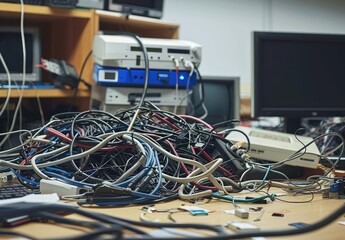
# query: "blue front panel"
136,77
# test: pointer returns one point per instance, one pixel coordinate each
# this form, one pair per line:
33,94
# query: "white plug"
242,213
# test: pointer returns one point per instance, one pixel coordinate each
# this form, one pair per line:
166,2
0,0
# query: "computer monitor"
221,99
147,8
298,75
12,52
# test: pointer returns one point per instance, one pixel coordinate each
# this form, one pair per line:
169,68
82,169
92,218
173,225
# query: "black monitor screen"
12,52
221,99
299,75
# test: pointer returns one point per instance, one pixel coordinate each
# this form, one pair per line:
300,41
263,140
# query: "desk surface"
309,212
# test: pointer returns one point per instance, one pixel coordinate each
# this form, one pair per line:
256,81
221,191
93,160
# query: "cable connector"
242,213
237,145
176,61
188,64
245,157
240,152
111,191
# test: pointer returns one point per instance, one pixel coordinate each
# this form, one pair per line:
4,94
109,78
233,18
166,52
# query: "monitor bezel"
35,74
235,81
258,110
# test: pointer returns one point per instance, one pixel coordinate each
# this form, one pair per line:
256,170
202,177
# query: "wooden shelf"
44,93
10,9
67,34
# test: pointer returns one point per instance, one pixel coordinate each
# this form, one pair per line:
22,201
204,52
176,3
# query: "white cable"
188,64
203,105
133,120
177,64
207,172
19,146
46,154
207,169
36,167
24,74
9,85
205,110
40,108
163,151
20,117
281,184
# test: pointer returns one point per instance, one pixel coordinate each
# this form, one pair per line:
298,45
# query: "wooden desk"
293,212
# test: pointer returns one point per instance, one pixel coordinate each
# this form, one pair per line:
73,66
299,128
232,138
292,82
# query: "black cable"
59,219
15,210
17,234
240,131
20,209
116,234
224,123
146,62
80,80
202,88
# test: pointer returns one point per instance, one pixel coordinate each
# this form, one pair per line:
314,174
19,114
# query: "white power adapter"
48,186
241,226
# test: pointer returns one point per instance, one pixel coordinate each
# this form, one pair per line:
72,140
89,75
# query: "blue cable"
58,170
68,180
152,162
24,178
160,175
145,169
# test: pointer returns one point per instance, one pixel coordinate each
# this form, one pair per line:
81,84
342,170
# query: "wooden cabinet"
67,34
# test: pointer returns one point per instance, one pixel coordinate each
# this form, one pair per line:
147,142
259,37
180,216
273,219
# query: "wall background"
223,28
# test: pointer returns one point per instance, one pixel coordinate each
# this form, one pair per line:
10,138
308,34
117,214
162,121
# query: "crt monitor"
298,75
221,99
12,51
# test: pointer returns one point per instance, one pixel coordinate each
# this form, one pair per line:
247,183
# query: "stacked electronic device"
120,71
152,8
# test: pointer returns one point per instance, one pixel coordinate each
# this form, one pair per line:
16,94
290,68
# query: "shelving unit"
67,34
142,26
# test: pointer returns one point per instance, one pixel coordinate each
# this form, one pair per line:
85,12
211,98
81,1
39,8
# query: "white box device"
124,52
277,146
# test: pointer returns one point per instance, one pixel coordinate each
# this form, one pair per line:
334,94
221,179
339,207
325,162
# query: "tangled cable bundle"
141,155
161,153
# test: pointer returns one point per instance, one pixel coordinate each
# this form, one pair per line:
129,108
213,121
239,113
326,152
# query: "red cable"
60,135
166,121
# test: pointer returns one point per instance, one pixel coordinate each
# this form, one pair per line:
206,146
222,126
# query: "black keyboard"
14,191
